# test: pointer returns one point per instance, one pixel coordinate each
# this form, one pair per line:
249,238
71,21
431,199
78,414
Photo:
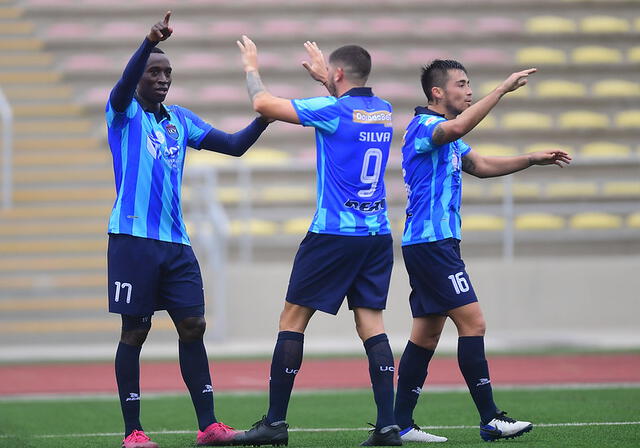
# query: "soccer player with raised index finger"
151,265
348,248
434,155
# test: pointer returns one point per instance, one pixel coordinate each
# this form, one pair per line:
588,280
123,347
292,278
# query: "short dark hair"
157,50
436,74
354,60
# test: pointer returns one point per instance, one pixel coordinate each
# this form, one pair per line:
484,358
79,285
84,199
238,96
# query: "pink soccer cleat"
216,434
138,439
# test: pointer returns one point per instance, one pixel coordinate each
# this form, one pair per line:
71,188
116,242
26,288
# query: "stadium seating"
616,88
539,221
560,88
595,221
596,55
605,149
604,24
583,119
533,56
550,25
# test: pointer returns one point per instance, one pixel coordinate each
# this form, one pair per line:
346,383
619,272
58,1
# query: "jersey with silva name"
353,137
433,179
148,161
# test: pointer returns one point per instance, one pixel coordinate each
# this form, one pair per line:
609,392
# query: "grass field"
568,418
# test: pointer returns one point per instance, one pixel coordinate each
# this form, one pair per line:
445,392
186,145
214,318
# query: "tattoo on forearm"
438,135
254,84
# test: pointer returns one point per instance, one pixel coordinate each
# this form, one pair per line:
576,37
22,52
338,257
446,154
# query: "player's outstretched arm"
317,68
452,130
123,92
486,166
234,144
267,105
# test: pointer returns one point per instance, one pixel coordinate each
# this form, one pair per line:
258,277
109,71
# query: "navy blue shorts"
439,281
329,267
146,275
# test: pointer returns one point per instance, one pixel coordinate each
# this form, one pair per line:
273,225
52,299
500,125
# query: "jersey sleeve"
464,148
196,128
119,118
424,133
320,112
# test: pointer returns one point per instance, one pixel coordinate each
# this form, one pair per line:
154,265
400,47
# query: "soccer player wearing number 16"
433,155
348,249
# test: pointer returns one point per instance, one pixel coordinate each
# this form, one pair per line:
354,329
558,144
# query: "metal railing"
7,152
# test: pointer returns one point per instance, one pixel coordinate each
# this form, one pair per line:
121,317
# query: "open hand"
516,80
318,67
550,157
161,30
249,53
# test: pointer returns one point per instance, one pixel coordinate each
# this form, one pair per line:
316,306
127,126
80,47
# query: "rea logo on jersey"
365,206
375,117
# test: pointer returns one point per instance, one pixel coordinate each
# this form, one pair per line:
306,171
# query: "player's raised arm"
486,166
267,105
317,68
458,127
123,92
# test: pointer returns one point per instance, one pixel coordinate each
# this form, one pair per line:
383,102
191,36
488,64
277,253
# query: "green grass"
21,421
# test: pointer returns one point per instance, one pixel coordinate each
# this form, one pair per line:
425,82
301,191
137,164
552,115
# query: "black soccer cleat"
387,436
263,433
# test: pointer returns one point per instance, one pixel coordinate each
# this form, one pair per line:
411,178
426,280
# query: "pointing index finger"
167,16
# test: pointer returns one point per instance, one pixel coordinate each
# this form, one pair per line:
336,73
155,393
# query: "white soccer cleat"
503,427
415,434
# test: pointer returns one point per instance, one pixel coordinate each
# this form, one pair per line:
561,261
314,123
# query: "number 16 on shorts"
460,283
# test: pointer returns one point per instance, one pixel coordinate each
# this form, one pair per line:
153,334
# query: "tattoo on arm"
468,166
438,136
254,84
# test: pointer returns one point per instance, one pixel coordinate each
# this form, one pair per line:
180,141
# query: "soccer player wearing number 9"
348,249
433,156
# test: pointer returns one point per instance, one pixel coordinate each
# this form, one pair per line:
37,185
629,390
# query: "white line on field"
113,434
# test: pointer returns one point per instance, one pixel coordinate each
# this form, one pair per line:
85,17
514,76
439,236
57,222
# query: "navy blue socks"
285,364
128,379
475,370
412,372
381,370
194,366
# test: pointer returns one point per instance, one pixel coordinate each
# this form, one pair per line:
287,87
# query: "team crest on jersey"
172,130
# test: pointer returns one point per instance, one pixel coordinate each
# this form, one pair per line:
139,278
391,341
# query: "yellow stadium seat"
482,222
604,24
628,119
488,122
289,193
493,149
583,119
616,87
266,156
595,220
519,189
207,158
634,54
543,146
596,55
257,227
633,220
561,88
550,24
605,149
621,188
526,120
539,221
540,55
572,189
637,24
296,226
489,86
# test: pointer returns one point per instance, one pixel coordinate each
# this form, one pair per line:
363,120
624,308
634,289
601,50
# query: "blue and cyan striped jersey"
353,136
148,159
433,179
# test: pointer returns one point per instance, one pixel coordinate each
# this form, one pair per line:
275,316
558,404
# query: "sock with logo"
475,370
194,366
128,378
285,364
381,370
412,373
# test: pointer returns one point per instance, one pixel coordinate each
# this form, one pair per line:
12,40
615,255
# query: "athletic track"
338,373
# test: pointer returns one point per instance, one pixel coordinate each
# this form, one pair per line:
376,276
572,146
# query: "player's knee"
191,329
135,337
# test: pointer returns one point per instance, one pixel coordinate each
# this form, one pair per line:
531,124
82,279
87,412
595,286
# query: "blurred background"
554,254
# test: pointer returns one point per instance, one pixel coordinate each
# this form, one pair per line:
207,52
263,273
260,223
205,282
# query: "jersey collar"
420,110
358,91
163,113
